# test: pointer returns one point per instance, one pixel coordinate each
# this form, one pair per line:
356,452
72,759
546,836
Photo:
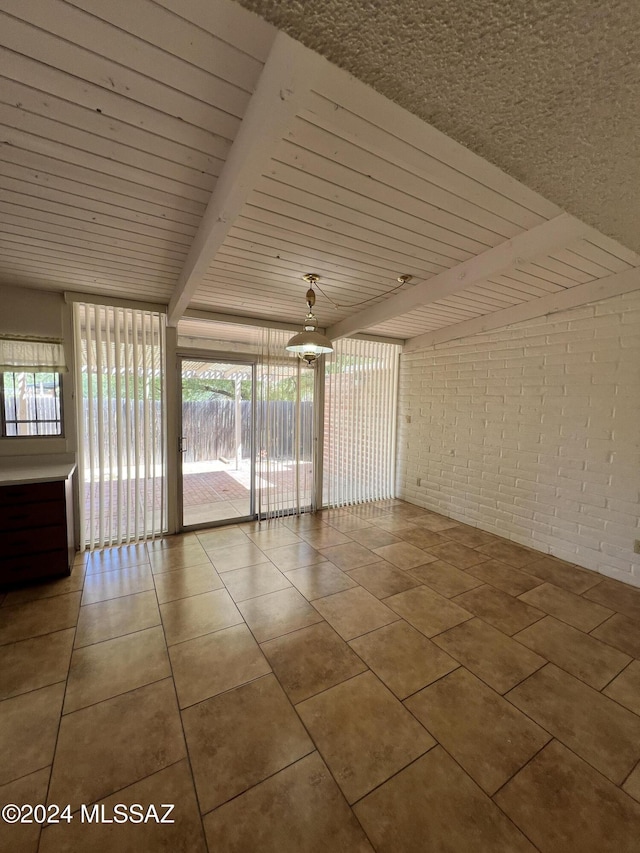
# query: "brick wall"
532,432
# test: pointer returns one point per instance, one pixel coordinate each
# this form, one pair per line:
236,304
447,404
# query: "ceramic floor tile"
347,524
436,523
444,578
104,670
324,537
564,805
354,612
618,596
427,611
504,577
222,537
278,613
434,806
373,537
190,580
320,580
175,540
257,790
483,732
457,555
595,727
470,536
236,557
570,608
625,689
116,584
299,809
632,785
370,510
31,664
403,658
507,552
424,539
404,555
31,790
191,617
349,556
330,514
274,537
397,526
208,665
127,738
172,785
311,660
253,581
28,730
499,609
114,618
39,617
621,632
173,559
495,658
585,657
363,733
59,586
559,573
120,557
288,557
240,738
300,523
382,579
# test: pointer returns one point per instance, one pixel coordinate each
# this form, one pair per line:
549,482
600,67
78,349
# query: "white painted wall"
532,432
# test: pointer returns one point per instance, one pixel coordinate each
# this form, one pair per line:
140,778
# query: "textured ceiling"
547,91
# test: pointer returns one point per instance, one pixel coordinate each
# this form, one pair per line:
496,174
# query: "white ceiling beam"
284,84
535,243
592,291
236,319
261,323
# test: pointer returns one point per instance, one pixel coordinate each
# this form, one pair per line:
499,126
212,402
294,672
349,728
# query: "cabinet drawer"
15,570
31,493
17,542
36,515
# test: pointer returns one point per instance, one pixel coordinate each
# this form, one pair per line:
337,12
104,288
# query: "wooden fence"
209,428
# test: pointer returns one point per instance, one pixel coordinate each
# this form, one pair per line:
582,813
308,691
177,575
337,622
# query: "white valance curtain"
284,429
361,389
120,375
31,355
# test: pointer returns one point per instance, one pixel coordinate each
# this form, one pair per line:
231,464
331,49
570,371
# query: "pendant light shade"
309,343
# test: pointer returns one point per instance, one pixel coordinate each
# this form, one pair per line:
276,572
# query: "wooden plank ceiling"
188,154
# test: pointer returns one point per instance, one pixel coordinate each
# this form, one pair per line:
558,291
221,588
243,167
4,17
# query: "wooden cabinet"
36,531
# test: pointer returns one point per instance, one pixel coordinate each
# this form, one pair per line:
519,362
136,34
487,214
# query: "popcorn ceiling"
547,91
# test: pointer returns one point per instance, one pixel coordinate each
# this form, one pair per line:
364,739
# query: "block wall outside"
532,432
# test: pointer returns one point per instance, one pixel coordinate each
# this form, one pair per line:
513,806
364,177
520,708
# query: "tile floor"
380,678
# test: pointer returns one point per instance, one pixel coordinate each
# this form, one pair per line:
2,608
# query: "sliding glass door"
217,440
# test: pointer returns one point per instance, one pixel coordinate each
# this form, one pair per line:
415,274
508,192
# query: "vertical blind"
120,374
361,386
284,429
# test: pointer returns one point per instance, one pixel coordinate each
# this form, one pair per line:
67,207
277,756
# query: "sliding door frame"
183,354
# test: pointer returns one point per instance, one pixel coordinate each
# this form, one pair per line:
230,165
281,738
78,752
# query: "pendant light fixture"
309,343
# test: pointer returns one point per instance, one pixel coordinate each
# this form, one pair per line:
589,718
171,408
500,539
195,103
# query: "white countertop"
13,473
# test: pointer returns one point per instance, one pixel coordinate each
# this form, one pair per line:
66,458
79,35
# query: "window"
31,404
30,387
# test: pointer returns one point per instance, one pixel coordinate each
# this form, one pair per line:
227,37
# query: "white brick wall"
532,432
